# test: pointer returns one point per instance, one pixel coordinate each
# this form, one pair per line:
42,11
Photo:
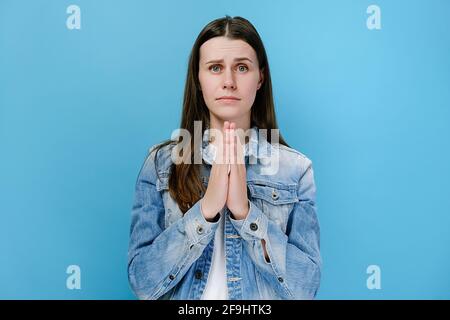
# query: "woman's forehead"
223,48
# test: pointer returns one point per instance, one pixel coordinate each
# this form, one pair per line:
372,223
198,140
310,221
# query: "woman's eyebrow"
235,60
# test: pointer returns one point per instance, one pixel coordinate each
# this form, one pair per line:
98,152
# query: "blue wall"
79,109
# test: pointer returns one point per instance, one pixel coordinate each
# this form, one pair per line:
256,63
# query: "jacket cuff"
254,226
197,228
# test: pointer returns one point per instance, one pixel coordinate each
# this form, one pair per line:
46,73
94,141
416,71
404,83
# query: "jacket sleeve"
294,268
158,258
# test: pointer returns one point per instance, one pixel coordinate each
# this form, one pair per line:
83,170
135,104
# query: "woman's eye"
215,68
242,68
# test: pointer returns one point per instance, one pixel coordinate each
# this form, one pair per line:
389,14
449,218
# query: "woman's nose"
229,81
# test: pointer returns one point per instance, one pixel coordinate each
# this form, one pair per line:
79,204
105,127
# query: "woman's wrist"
215,219
210,217
241,214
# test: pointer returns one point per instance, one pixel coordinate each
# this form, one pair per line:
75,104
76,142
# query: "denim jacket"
170,253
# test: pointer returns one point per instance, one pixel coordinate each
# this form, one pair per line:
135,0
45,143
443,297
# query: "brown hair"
185,185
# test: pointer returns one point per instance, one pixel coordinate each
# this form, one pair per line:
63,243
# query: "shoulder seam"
292,150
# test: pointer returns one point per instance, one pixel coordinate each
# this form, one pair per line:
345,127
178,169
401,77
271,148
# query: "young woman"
236,218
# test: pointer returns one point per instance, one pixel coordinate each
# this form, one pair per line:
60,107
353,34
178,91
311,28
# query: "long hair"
185,185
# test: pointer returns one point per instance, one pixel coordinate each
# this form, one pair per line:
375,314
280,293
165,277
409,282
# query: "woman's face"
229,68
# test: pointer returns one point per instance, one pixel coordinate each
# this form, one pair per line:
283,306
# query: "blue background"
79,109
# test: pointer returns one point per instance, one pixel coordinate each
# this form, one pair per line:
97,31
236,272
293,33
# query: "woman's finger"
232,144
227,143
239,151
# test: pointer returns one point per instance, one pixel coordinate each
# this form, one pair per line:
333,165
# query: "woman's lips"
228,99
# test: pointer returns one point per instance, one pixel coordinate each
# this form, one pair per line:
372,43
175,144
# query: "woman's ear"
261,78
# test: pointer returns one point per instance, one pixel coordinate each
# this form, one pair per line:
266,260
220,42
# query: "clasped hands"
228,178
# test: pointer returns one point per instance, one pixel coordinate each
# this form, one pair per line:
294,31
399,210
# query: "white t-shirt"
216,285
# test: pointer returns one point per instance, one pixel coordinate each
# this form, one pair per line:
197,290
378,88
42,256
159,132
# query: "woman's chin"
228,116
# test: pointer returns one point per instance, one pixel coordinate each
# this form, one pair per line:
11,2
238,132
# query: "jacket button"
280,279
274,195
200,230
198,274
253,226
171,277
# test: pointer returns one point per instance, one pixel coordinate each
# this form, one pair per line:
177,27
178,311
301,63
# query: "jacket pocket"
275,200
